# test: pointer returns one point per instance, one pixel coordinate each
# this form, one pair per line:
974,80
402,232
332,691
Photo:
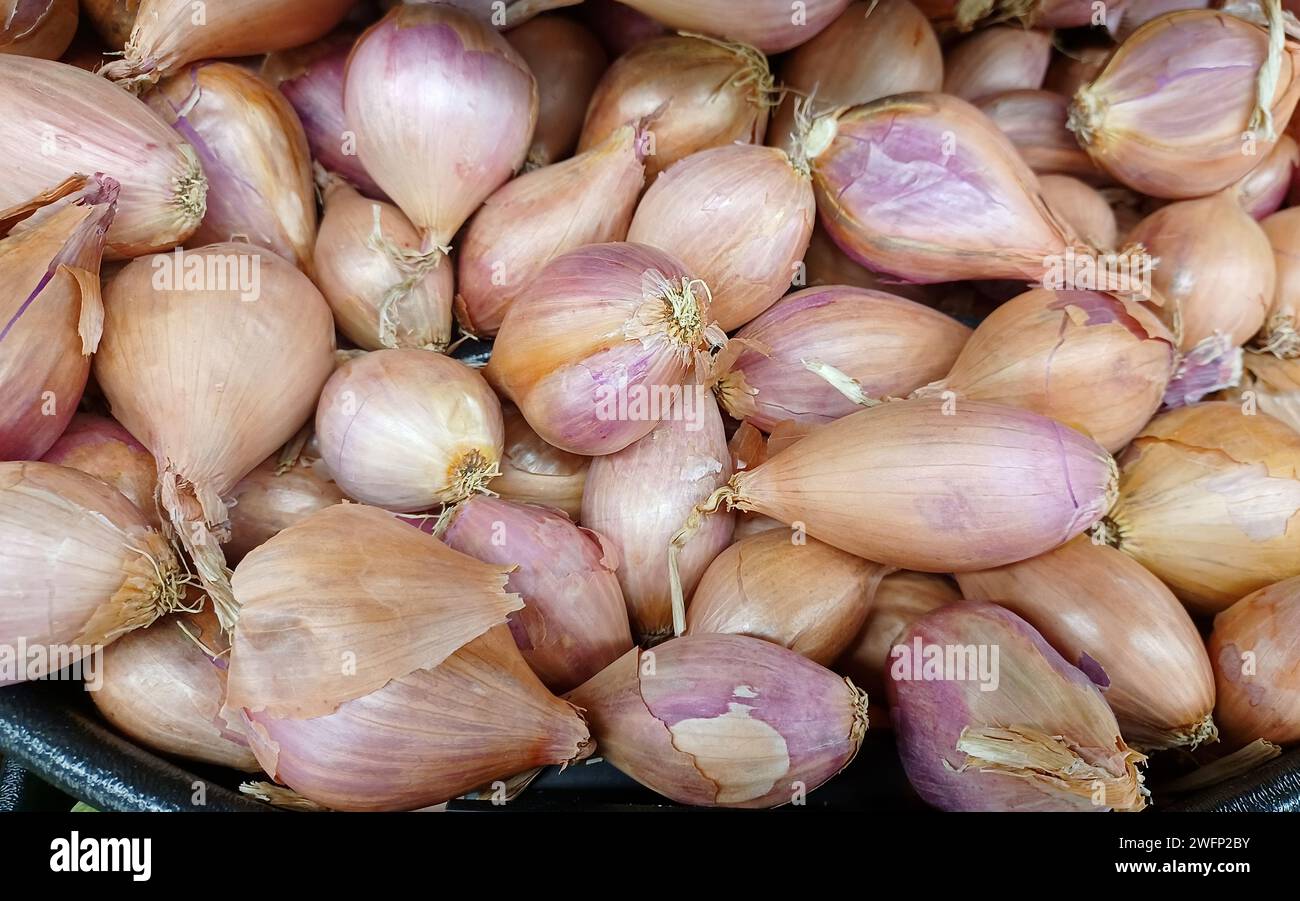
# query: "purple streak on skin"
1094,671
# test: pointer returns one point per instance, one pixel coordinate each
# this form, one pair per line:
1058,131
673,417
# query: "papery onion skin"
428,736
273,497
1271,386
870,51
931,487
1059,744
600,329
540,215
803,595
1280,333
724,720
1119,624
1210,503
1093,361
443,109
704,95
534,472
254,153
574,622
82,565
1082,208
567,61
891,346
98,446
160,689
770,25
98,129
1035,123
383,291
739,217
1263,190
980,215
997,59
1167,114
638,497
407,429
40,28
1255,658
112,19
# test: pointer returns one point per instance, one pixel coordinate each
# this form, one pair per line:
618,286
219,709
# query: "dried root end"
1280,338
470,473
754,71
1112,483
279,796
728,495
861,721
1108,532
1149,739
191,189
1087,112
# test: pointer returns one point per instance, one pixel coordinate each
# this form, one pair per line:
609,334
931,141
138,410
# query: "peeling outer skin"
724,720
1214,364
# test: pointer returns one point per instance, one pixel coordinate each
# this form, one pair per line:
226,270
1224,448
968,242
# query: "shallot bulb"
273,497
1122,627
596,348
60,120
82,567
407,430
112,19
1069,71
567,61
739,217
995,60
443,109
638,497
770,25
212,358
824,264
574,622
41,28
724,720
1081,207
870,51
162,689
502,13
51,313
926,188
1262,190
887,345
1137,13
169,34
529,221
1094,361
1210,503
619,27
786,589
383,289
254,153
1255,658
699,93
534,472
1024,730
1035,123
1270,385
1177,111
98,446
1281,334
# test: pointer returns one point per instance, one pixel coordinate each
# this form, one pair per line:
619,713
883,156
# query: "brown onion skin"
567,62
266,501
534,472
41,28
1082,207
1263,190
113,19
997,59
161,690
1257,693
98,446
696,88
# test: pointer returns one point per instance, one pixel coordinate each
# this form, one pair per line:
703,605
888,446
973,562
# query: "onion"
60,119
739,217
273,497
995,60
1082,208
724,720
825,264
408,429
770,25
1121,626
1208,502
619,27
529,221
705,94
1094,361
1071,70
1216,269
500,13
82,567
1035,121
638,497
212,358
1041,739
871,51
383,289
169,34
1167,114
51,314
41,28
1270,386
98,446
803,595
1280,336
1065,13
534,472
924,214
443,109
254,154
112,19
1255,658
574,622
1137,13
595,348
900,598
1262,190
887,345
162,689
567,61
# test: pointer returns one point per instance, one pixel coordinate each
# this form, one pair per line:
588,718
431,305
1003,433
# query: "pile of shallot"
401,398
